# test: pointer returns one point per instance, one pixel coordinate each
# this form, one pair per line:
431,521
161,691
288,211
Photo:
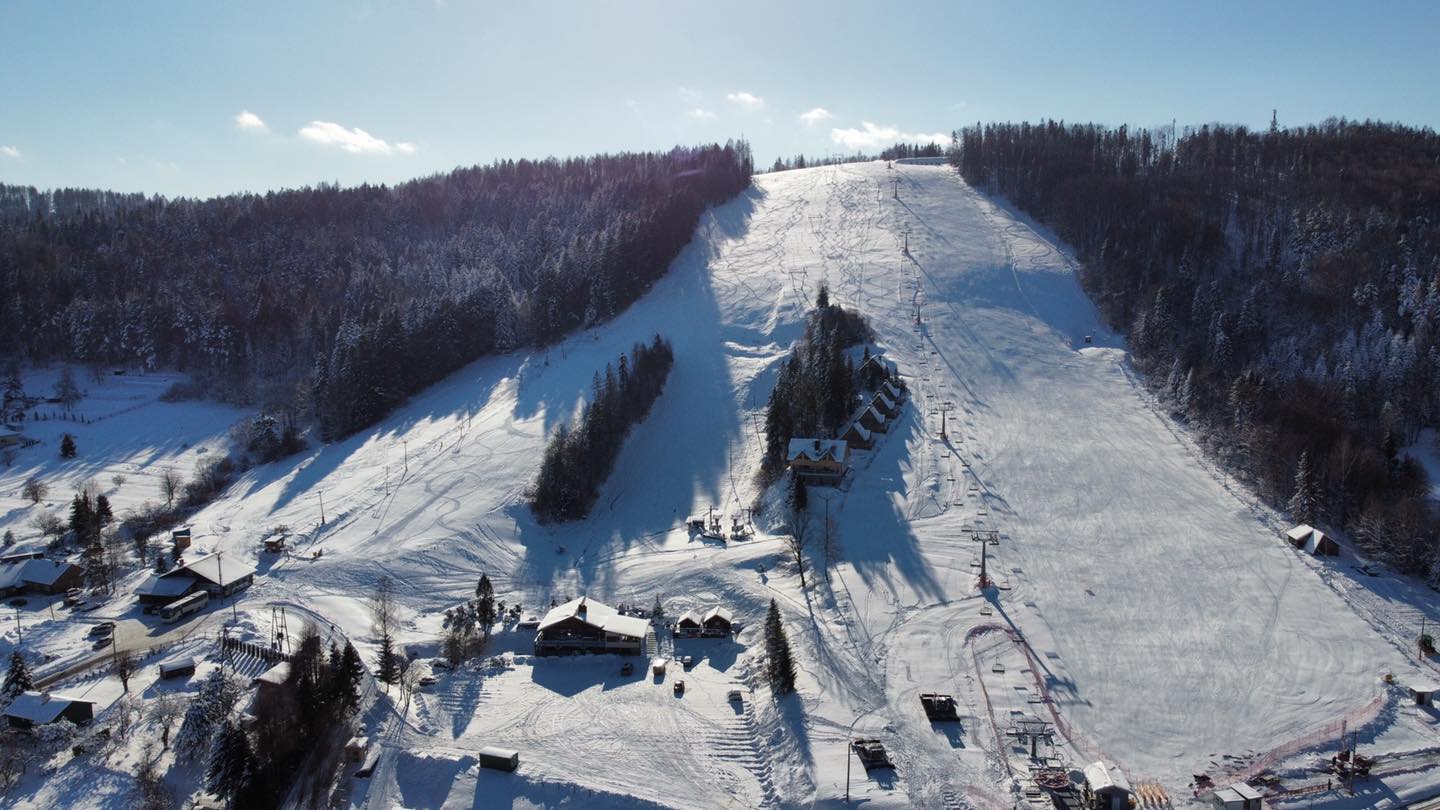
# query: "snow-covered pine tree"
485,607
1305,500
780,664
17,679
388,670
210,706
231,763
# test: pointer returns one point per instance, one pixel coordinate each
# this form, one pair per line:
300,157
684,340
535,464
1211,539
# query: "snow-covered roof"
40,708
1424,686
178,663
10,577
210,567
275,675
688,616
885,401
891,389
718,612
43,572
860,430
1104,778
816,449
874,414
1245,791
160,585
496,751
598,615
1300,532
1317,539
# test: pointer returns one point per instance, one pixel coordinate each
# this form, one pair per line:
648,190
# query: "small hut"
689,624
718,622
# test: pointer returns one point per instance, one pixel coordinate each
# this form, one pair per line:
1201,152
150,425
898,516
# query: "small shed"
1322,545
1238,796
269,683
177,668
355,749
657,667
181,537
1107,787
1423,693
275,543
718,622
30,709
500,759
688,624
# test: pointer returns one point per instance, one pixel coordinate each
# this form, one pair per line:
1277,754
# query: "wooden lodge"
585,626
819,461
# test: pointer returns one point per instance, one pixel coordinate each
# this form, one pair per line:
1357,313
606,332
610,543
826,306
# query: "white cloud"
870,136
815,116
700,114
690,95
749,101
355,141
248,120
10,151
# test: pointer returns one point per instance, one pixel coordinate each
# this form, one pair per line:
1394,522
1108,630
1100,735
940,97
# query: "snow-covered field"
1147,607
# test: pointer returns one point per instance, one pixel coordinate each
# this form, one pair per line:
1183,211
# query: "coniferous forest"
338,303
579,459
1280,290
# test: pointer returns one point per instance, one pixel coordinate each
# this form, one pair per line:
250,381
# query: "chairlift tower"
986,540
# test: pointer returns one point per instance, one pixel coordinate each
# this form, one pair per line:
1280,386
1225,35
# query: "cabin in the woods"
718,622
585,626
1238,796
1312,540
820,461
1106,787
857,435
210,573
39,575
31,709
688,624
885,405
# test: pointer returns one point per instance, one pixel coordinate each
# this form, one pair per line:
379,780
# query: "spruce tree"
230,763
1304,502
780,664
17,679
389,668
485,610
103,514
67,446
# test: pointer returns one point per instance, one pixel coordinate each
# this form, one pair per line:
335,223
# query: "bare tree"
124,667
382,606
35,490
48,524
798,539
118,479
409,682
165,711
170,483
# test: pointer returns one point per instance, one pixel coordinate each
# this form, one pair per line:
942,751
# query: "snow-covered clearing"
1146,609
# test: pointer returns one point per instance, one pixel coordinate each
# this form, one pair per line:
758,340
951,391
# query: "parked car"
627,668
103,641
736,697
74,596
687,662
103,629
680,687
429,680
440,663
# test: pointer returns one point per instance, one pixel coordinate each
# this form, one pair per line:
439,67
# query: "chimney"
581,608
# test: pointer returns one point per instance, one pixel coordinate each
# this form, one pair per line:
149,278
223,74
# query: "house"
1106,788
39,575
857,435
275,544
819,460
22,556
1238,796
585,626
688,624
718,622
1423,693
885,405
873,420
210,573
30,709
893,391
269,682
1312,540
181,538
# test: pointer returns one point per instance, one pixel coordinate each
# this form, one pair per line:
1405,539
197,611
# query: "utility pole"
19,636
896,192
406,442
322,507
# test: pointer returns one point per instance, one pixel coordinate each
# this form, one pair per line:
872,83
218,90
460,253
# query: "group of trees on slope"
340,302
579,459
894,152
1280,290
817,387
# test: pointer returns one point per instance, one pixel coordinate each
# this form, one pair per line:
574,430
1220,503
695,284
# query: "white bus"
181,608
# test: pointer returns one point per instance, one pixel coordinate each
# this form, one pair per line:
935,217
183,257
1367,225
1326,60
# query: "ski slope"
1148,610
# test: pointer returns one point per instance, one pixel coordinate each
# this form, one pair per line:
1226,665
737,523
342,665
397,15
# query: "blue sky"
201,98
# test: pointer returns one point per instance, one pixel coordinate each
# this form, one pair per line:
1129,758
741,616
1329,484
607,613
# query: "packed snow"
1145,608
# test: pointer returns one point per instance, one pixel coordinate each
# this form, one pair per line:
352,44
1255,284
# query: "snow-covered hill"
1148,608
